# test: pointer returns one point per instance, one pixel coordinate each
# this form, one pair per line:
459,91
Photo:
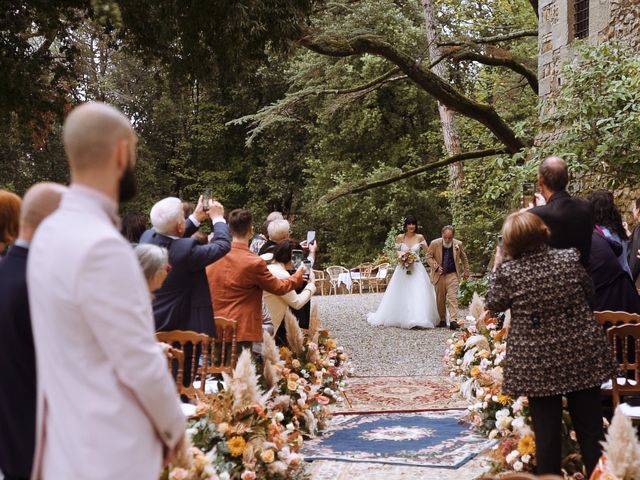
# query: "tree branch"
499,61
336,46
490,40
361,187
381,79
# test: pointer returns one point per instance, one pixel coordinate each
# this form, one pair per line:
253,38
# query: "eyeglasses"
168,268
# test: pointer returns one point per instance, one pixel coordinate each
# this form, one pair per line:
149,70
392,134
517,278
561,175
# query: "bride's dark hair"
410,220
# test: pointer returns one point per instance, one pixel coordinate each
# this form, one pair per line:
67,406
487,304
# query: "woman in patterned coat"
555,348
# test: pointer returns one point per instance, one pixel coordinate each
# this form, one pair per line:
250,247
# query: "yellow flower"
527,445
504,399
475,371
292,385
285,352
330,344
267,456
236,446
311,367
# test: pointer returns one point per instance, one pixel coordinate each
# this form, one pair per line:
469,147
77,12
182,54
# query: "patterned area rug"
399,394
424,439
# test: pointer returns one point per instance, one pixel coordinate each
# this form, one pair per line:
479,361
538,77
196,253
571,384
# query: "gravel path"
380,351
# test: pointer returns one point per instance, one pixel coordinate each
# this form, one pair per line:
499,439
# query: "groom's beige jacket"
434,259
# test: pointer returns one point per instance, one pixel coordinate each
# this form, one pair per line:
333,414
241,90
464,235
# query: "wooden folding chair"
321,280
363,275
192,345
379,276
609,318
224,349
626,382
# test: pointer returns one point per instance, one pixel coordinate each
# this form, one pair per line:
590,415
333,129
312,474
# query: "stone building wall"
608,19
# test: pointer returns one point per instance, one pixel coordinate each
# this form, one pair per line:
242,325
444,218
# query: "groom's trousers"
447,292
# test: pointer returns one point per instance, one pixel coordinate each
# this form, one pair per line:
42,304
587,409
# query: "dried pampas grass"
314,323
621,447
270,351
295,338
244,384
477,307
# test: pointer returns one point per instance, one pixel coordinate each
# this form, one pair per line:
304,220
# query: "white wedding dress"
410,299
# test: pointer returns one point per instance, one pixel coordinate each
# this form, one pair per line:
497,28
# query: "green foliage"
597,114
470,286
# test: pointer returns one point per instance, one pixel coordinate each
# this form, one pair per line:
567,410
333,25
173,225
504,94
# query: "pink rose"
248,475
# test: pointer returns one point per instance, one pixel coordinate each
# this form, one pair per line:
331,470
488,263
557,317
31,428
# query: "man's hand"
216,210
199,212
539,199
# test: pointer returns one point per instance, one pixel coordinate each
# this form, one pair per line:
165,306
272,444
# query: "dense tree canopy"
324,110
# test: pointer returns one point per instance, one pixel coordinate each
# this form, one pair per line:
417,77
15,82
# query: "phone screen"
311,237
296,258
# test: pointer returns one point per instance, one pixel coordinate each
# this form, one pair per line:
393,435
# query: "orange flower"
527,445
236,446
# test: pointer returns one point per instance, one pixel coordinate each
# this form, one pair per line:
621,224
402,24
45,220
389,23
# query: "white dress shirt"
106,401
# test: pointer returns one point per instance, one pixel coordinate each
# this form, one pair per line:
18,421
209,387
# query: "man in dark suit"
183,302
192,222
634,244
570,219
18,376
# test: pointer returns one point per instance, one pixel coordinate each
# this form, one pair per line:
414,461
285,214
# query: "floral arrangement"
407,259
476,355
312,371
621,457
254,427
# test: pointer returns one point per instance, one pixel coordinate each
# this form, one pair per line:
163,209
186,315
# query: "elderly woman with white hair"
154,261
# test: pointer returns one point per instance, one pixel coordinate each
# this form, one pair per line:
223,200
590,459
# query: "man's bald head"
553,172
91,134
38,203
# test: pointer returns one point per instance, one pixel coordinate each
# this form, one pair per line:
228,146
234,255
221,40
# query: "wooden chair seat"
190,344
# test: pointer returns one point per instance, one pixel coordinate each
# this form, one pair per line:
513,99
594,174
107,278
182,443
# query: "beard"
447,244
128,186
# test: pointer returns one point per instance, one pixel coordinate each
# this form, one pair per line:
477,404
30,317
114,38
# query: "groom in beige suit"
448,263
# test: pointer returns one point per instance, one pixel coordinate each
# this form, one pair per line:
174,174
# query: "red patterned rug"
399,394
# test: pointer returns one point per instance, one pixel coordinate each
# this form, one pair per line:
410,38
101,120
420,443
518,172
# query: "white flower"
518,423
518,466
289,426
224,476
494,398
513,455
459,361
452,374
517,405
493,434
526,458
485,404
503,423
300,402
279,417
502,413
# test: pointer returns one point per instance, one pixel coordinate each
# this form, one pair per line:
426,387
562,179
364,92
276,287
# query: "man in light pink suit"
107,406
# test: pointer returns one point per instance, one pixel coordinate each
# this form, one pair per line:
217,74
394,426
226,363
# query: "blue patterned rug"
425,439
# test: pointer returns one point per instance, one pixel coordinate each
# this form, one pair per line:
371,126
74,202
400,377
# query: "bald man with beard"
105,397
18,382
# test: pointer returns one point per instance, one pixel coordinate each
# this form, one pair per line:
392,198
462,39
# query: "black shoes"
442,325
453,325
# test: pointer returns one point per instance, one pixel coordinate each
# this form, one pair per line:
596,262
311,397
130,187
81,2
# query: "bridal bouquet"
407,259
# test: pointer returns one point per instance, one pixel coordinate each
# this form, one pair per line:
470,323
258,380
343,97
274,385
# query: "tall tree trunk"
449,130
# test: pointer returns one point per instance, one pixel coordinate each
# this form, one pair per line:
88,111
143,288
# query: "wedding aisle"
401,390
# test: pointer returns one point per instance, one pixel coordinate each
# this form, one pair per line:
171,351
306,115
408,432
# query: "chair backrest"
319,274
609,318
625,341
335,271
175,359
179,339
382,270
224,350
364,269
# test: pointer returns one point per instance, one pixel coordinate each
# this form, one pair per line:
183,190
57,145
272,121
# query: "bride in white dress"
410,299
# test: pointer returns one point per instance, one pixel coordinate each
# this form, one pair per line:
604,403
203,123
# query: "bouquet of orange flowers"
407,259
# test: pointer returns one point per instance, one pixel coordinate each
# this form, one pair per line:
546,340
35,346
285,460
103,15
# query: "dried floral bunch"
407,259
476,356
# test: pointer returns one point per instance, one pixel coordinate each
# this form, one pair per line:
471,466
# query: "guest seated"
278,304
555,347
9,219
154,261
237,281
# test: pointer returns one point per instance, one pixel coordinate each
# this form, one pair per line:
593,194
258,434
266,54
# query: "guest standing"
608,223
280,267
237,281
183,302
133,226
634,261
17,355
555,347
9,219
569,219
107,406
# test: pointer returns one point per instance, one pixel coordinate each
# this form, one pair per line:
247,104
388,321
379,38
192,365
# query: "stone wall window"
580,18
